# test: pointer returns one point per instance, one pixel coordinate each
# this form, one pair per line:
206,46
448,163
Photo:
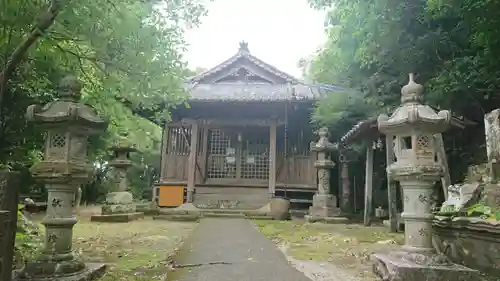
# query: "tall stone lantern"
324,205
68,124
119,205
414,125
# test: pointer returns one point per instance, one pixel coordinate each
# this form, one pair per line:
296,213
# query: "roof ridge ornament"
243,47
412,92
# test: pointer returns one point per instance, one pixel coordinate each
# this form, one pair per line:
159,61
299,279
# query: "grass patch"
135,251
348,246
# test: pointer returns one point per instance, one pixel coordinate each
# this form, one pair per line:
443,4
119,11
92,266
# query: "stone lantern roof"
68,111
123,145
412,115
323,144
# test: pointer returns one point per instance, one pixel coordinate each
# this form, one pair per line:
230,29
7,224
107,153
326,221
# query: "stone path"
231,250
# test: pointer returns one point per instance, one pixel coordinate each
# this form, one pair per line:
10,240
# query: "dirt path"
231,250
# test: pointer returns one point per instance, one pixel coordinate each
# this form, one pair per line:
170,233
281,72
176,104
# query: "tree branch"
44,22
80,63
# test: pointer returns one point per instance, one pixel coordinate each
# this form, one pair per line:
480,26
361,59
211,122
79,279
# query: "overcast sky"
279,32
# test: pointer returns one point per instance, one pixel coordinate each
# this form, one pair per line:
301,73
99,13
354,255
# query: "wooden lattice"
222,155
179,140
255,154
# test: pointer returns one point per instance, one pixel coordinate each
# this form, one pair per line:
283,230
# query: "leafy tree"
127,53
451,45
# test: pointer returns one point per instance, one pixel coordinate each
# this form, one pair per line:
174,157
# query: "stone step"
177,217
196,217
222,215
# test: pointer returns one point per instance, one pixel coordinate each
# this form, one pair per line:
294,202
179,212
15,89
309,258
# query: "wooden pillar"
204,154
346,187
391,185
313,156
163,154
441,156
192,162
368,185
163,163
272,159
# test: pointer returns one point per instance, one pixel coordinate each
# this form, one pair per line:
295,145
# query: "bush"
29,240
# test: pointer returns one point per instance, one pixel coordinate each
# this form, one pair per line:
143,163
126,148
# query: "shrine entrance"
238,155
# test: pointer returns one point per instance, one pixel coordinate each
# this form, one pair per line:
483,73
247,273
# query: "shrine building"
245,137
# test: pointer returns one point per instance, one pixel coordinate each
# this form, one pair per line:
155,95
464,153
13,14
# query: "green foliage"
451,45
29,240
340,110
127,53
477,210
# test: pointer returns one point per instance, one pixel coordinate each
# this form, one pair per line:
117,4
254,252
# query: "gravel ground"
319,271
231,250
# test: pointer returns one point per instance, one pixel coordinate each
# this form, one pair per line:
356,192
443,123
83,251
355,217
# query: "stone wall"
470,241
231,197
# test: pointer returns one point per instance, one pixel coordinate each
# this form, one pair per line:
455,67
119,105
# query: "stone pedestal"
324,210
324,205
118,202
119,207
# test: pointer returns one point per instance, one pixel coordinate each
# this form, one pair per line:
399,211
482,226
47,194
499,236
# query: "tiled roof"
369,128
361,128
243,52
281,86
255,92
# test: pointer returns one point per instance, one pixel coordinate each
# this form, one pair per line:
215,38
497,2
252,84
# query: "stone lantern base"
46,271
119,207
324,209
407,266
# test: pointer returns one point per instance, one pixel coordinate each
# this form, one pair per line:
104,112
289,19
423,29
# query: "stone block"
91,272
120,197
491,195
324,205
127,217
147,208
461,196
402,266
328,220
178,217
246,198
118,209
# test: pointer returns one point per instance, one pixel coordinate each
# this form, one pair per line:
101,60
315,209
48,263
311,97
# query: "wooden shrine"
227,150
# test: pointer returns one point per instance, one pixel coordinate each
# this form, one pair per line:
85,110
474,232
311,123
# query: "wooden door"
239,154
255,153
222,156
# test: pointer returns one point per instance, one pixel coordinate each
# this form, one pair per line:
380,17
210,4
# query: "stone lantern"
68,124
324,203
414,125
119,206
